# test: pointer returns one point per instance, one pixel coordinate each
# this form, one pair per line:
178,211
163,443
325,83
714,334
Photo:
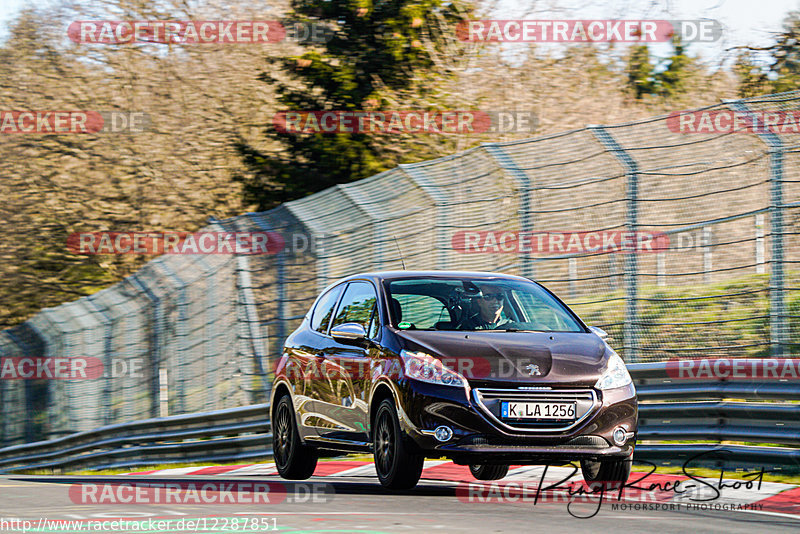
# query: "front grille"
490,402
580,442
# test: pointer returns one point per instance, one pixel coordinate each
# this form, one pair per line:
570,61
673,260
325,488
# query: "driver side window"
357,305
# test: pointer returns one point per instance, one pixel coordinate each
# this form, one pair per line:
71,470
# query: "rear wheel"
397,467
293,460
611,472
488,472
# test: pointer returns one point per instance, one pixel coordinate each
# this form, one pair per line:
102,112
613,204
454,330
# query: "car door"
346,368
305,365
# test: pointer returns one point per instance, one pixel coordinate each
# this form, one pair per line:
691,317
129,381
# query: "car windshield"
477,304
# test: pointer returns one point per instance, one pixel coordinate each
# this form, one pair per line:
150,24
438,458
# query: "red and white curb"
771,498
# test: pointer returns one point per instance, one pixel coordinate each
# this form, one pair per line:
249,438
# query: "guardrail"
762,416
765,414
219,436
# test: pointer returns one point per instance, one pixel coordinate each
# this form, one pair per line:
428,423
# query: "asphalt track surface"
342,504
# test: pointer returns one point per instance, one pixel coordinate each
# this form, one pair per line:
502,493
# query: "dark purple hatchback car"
485,369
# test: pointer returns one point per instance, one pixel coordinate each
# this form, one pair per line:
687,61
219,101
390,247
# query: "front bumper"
480,437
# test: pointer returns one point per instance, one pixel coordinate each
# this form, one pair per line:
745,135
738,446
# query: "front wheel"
488,472
293,459
398,468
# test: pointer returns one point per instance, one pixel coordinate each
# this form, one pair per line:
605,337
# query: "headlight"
426,368
616,375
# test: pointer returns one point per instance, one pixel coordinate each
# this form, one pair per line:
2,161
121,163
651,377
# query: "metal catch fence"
680,243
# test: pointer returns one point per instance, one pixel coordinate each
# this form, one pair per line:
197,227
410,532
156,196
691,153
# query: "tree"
640,71
170,177
666,79
380,55
672,80
775,68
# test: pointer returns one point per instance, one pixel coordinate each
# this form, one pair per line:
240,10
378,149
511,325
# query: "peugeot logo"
533,370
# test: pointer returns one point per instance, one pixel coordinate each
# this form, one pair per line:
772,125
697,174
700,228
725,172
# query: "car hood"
492,358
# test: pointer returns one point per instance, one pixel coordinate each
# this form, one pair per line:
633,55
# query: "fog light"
620,436
443,433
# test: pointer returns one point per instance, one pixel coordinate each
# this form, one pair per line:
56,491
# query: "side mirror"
348,333
602,334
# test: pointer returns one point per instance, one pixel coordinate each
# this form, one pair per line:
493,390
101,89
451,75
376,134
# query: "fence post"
156,340
439,199
629,329
777,305
108,362
246,300
707,237
572,268
760,248
280,281
526,224
182,335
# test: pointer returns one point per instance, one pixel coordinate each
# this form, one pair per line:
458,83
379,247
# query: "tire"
293,459
610,472
398,468
488,472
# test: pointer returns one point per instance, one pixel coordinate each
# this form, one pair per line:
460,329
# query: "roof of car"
389,275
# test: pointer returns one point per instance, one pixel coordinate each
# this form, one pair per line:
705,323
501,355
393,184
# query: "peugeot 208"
485,369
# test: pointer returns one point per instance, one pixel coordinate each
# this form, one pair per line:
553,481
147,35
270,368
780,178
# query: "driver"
490,309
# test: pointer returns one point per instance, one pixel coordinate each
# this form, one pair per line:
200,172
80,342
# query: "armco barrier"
764,413
219,436
760,417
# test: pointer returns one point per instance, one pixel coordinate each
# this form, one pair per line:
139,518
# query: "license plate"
538,410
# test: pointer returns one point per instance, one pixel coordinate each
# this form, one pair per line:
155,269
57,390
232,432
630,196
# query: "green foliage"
667,79
640,71
378,51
